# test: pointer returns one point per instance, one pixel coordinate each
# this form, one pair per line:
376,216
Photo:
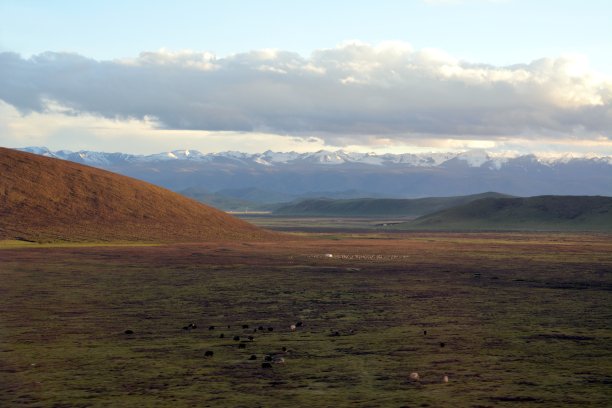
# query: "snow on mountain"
473,158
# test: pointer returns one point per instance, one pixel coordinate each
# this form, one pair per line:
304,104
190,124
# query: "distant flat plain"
513,319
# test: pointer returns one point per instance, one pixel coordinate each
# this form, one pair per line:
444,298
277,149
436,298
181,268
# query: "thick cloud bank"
353,91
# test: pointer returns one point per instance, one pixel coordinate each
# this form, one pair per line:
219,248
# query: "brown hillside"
43,199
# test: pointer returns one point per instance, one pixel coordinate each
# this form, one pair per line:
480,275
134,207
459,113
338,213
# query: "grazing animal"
208,353
270,328
236,338
442,344
186,328
268,358
335,334
260,328
424,332
193,325
221,335
242,345
228,326
445,379
266,365
211,327
128,331
245,326
292,327
253,357
299,324
251,338
279,360
414,376
284,348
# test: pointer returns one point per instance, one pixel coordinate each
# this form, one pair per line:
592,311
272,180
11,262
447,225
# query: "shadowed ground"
525,320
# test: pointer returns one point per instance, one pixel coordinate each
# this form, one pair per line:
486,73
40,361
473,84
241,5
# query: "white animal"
414,376
329,255
292,327
445,379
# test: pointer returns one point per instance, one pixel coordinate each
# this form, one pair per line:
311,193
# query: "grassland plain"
525,320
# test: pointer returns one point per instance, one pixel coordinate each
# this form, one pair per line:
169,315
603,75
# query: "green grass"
521,327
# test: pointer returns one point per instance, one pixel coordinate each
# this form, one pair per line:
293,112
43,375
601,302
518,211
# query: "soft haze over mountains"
325,173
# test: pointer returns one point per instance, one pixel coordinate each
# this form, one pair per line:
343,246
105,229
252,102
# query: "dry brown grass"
45,199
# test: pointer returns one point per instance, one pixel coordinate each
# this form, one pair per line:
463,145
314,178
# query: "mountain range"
275,177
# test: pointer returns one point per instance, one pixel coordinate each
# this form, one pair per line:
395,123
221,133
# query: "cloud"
344,95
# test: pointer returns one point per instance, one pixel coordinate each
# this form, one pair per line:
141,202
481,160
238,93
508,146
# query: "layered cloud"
346,95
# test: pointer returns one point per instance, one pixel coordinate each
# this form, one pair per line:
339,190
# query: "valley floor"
513,319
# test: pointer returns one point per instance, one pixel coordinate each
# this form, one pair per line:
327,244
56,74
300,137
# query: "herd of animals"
277,357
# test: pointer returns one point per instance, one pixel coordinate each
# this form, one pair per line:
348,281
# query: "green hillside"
575,213
373,207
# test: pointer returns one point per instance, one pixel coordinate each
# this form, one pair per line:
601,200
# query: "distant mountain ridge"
318,174
574,213
377,207
472,158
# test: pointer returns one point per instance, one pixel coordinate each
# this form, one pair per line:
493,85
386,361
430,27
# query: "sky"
142,77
